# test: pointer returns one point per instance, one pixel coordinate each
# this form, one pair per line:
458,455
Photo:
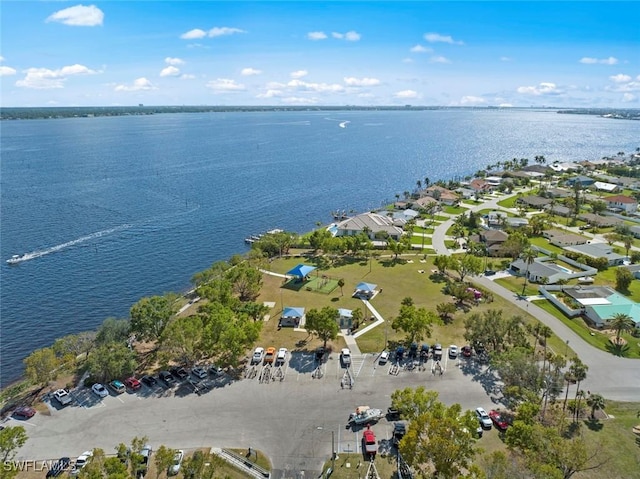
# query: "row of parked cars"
269,356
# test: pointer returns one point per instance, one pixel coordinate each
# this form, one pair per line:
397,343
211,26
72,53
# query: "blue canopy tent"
301,271
291,316
366,290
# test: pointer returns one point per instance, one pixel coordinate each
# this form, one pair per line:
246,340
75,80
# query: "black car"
180,373
320,352
167,378
393,414
59,467
149,380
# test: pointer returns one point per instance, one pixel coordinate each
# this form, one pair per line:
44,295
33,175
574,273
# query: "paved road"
612,376
291,421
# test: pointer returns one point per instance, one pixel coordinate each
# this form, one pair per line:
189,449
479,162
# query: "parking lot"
293,418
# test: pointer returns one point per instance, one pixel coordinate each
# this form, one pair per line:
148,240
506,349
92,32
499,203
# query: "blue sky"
569,54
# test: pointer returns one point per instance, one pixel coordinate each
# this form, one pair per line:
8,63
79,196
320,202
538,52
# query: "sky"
444,53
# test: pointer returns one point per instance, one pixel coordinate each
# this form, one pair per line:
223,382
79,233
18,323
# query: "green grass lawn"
420,240
489,210
419,229
544,243
441,218
509,202
453,210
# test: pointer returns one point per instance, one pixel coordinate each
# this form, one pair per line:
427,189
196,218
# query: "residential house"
582,180
607,187
426,202
598,250
559,193
491,239
374,224
467,193
563,167
559,210
601,303
600,221
533,201
621,203
635,231
443,195
541,270
405,215
563,238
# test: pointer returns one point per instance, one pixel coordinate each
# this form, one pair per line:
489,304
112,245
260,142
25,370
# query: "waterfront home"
373,224
443,195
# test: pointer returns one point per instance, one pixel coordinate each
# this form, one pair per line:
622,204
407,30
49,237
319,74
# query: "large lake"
112,209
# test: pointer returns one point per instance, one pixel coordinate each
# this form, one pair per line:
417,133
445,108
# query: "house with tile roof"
621,203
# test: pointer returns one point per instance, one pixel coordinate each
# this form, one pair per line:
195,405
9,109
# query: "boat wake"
15,259
343,124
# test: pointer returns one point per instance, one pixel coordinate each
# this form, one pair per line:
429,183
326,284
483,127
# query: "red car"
24,412
498,420
132,383
466,351
370,443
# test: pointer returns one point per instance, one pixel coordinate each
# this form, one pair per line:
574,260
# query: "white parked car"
258,354
453,351
82,461
345,357
100,390
384,357
483,417
177,462
281,357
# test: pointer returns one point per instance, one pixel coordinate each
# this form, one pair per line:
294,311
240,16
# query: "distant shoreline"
40,113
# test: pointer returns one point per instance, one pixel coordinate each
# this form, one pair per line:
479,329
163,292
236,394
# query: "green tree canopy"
323,323
12,438
414,322
113,330
41,366
150,315
111,361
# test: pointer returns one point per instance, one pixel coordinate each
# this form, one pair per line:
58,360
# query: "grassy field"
453,210
509,202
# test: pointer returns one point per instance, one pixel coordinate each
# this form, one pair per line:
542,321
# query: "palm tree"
528,255
621,322
568,377
579,371
596,402
628,241
427,182
341,284
419,184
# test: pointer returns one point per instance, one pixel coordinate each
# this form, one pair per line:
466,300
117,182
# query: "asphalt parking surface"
293,416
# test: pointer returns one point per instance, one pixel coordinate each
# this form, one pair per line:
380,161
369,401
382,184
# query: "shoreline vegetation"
39,113
239,302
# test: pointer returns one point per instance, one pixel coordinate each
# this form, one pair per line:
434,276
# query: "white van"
281,357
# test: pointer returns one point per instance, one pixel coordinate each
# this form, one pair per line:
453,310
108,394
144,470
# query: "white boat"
15,259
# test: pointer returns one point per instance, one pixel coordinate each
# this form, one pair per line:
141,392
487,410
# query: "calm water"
114,209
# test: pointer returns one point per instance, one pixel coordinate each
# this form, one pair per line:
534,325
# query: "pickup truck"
63,397
270,355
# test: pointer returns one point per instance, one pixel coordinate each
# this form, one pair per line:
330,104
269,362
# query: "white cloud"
620,78
223,31
213,33
193,34
78,16
1,58
270,94
505,105
350,36
139,84
505,59
174,61
603,61
225,85
187,76
44,78
472,100
6,71
299,74
170,71
406,94
544,88
315,87
420,49
628,97
437,38
316,36
439,59
352,81
296,100
250,72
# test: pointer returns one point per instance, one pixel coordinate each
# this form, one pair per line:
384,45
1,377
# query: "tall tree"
323,323
150,315
12,438
466,264
111,361
439,440
621,322
623,279
341,285
41,366
113,330
414,322
163,458
70,347
596,402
